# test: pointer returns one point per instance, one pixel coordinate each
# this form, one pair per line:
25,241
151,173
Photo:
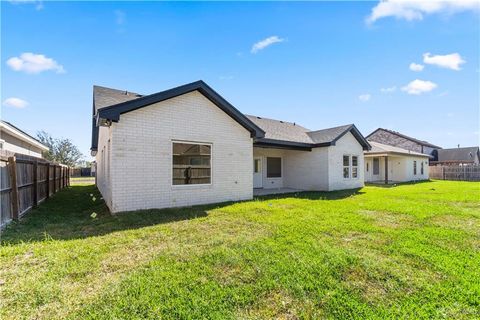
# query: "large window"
354,167
192,163
274,167
346,167
414,168
376,166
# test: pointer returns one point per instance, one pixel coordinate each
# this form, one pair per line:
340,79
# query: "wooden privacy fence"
463,173
25,182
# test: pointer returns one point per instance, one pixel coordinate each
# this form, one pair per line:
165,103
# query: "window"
354,167
421,168
256,165
376,166
367,166
191,163
274,167
346,167
415,168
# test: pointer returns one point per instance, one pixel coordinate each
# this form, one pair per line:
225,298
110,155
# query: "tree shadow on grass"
79,212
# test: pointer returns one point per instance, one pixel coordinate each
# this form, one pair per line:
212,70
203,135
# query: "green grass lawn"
412,251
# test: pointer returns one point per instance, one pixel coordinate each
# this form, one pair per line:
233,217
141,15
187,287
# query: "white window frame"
351,166
192,186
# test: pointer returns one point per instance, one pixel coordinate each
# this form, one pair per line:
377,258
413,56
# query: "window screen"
274,167
191,163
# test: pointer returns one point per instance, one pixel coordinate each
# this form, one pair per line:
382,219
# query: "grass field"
412,251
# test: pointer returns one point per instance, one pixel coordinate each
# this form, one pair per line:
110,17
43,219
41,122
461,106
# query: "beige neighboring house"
389,164
188,145
15,140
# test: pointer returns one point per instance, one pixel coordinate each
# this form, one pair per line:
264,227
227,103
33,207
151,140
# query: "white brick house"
188,146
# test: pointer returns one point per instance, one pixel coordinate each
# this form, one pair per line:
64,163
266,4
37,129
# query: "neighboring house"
188,146
396,139
389,164
15,140
457,156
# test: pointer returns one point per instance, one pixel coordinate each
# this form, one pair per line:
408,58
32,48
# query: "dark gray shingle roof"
104,97
420,142
466,154
279,130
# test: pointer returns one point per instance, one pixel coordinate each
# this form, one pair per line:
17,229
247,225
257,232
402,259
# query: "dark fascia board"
356,133
113,112
94,146
282,144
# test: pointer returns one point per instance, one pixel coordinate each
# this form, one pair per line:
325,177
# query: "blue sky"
320,64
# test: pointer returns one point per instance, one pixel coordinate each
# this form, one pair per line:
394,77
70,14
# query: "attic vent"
281,121
259,117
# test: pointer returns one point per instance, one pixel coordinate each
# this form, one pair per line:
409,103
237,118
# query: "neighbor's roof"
291,134
420,142
466,154
380,148
113,112
22,135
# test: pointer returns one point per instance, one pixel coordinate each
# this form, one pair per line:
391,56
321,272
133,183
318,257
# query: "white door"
257,172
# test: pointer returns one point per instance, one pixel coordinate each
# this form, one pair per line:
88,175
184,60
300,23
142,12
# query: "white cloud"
38,3
34,63
364,97
419,86
260,45
120,17
389,89
416,67
15,103
449,61
416,9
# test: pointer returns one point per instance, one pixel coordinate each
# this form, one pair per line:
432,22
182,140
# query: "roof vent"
280,121
126,92
294,124
259,117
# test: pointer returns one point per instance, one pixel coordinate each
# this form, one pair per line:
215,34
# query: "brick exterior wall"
392,139
141,155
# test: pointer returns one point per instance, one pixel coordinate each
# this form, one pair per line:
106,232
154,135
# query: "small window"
274,167
346,167
367,166
421,168
414,168
256,165
191,163
354,167
376,166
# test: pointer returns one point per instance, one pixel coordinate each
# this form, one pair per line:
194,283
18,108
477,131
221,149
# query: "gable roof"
466,154
113,112
22,135
420,142
380,148
289,134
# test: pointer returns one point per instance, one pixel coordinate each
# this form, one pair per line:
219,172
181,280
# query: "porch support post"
386,170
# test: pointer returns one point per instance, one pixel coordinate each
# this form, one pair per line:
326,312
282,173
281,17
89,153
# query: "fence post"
68,177
48,180
54,179
12,163
35,183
